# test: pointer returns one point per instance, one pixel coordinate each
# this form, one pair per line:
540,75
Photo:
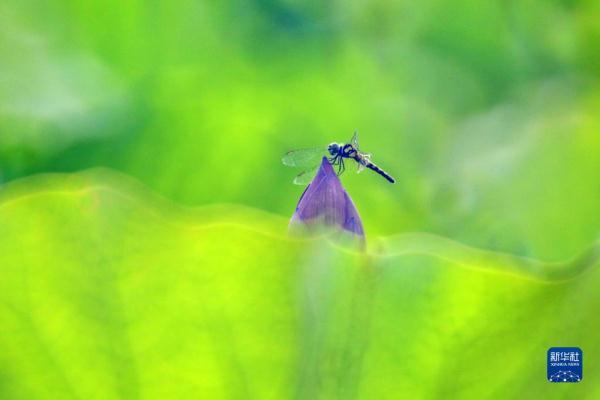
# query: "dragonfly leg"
341,165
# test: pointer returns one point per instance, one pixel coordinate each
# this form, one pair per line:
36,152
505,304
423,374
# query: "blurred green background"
486,113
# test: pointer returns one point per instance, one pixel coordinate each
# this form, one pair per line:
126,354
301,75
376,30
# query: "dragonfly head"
334,149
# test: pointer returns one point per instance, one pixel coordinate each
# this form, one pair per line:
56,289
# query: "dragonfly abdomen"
373,167
381,172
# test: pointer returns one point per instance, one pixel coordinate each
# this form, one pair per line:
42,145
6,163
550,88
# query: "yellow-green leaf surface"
110,292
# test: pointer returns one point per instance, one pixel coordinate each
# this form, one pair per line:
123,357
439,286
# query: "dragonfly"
336,154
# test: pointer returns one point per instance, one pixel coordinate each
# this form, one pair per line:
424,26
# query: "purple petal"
325,201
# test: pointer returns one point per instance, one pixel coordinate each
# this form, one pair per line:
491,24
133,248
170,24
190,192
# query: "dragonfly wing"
304,157
304,178
354,140
365,158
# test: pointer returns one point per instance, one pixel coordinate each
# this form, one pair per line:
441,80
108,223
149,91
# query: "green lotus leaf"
108,291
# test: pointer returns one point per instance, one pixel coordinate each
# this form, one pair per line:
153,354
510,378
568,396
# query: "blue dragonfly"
337,153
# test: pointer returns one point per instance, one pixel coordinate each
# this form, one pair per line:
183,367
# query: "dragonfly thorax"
342,150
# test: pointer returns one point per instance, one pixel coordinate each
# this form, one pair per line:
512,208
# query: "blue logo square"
565,364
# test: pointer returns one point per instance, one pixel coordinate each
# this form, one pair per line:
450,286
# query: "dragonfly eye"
333,149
